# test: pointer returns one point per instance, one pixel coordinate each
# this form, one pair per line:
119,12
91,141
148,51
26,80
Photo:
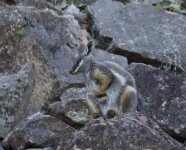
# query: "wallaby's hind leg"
128,100
93,107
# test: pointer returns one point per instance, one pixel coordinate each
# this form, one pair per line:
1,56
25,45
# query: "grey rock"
1,148
40,4
72,109
46,148
125,131
38,131
15,92
59,42
82,3
162,97
45,38
60,4
140,32
102,56
146,2
17,48
78,15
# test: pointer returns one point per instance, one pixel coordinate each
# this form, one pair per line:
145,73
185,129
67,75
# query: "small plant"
174,6
71,1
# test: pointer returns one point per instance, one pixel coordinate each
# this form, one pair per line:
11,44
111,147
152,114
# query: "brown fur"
90,99
124,99
104,81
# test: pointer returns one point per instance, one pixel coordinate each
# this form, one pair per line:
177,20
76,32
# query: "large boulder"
140,32
38,131
125,131
45,38
15,97
162,97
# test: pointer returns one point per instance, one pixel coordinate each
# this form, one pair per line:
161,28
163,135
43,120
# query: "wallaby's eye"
78,61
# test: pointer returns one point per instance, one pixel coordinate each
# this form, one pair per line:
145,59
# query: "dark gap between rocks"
174,135
70,122
137,58
56,94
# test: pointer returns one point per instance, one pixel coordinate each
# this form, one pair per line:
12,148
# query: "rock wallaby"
111,89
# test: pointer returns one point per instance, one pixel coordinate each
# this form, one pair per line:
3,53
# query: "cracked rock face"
162,98
140,32
125,131
15,92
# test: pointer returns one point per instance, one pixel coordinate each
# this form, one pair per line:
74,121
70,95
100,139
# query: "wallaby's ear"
90,47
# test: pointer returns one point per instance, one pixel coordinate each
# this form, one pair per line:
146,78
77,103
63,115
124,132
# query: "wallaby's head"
83,61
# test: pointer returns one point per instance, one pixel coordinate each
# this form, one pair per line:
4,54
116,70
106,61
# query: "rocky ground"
42,106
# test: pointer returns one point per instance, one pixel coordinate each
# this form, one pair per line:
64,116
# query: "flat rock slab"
140,32
102,56
162,97
38,131
125,131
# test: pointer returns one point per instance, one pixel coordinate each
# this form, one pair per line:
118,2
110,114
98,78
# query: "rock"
59,42
81,3
17,48
125,131
78,15
60,4
1,148
102,55
38,131
162,98
142,33
184,4
46,148
72,108
45,38
15,92
40,4
146,2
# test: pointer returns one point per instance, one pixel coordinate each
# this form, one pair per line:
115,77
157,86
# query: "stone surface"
162,98
46,148
60,4
45,38
125,131
15,93
146,2
72,108
38,131
78,15
184,4
82,3
1,148
102,56
40,4
142,33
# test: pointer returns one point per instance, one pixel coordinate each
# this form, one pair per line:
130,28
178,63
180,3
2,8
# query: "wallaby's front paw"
96,115
110,113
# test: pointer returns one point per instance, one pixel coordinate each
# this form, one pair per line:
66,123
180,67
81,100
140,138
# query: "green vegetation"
174,6
71,1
